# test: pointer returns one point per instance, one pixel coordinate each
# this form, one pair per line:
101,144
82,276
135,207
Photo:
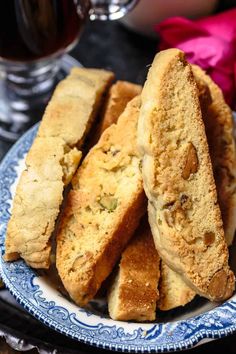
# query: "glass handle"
110,10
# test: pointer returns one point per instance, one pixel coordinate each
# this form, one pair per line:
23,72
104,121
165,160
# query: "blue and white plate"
184,328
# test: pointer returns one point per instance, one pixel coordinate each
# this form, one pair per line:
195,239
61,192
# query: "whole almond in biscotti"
178,178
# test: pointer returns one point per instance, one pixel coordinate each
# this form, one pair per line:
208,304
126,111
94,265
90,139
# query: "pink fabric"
209,42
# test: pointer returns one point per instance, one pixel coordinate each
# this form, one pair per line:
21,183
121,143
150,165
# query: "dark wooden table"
109,46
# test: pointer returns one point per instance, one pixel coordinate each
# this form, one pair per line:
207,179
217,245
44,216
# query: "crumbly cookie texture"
218,120
133,294
183,211
103,209
51,163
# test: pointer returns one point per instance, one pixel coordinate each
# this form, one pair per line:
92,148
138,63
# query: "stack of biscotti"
173,290
153,140
51,162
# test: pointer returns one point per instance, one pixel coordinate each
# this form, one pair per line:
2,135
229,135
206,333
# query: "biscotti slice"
51,163
218,121
133,294
103,209
183,212
118,96
174,292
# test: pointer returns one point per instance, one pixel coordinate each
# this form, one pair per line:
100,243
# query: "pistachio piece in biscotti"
108,202
176,163
185,202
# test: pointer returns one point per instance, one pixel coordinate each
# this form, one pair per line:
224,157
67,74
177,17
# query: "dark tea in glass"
34,35
33,29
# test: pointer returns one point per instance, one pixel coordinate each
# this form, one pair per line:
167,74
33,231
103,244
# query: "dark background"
109,46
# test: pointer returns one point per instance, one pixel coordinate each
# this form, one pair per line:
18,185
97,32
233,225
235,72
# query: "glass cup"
34,35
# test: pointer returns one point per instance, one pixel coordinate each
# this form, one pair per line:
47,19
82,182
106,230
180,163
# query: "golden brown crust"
181,191
133,294
218,121
103,209
118,96
51,163
204,93
74,105
82,275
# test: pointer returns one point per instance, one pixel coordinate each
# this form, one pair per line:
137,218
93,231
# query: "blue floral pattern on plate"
92,326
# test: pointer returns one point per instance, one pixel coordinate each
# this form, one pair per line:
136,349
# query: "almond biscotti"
218,120
174,292
183,212
103,209
51,163
133,294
